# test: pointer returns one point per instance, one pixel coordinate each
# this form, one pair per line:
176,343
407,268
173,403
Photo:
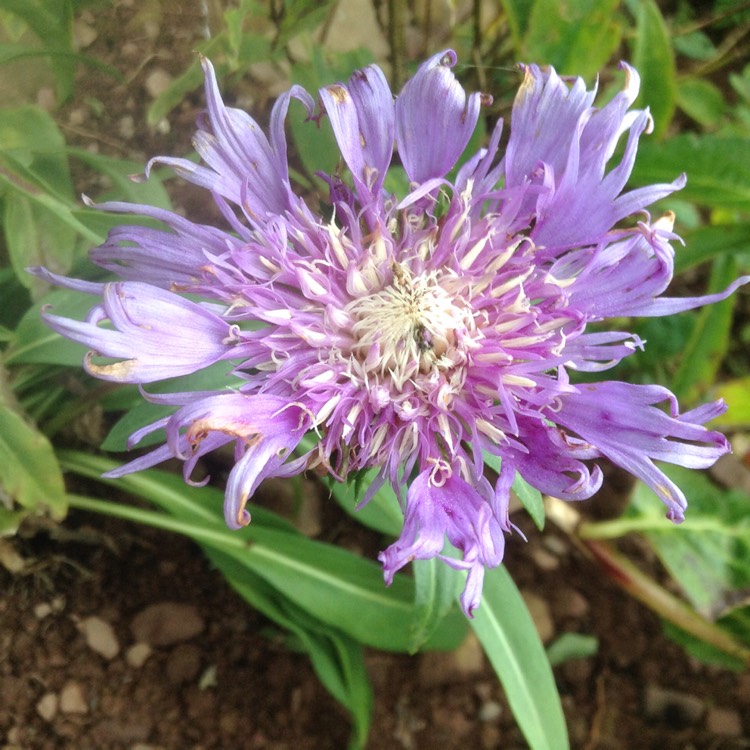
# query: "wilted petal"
362,117
266,428
157,334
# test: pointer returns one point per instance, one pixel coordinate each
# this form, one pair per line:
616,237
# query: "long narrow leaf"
709,341
337,659
331,583
654,59
507,633
437,585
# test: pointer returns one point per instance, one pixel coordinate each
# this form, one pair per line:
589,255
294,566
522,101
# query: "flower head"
411,333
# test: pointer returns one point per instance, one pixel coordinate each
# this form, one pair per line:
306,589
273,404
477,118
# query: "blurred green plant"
329,600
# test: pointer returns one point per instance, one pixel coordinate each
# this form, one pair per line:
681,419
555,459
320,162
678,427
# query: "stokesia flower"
414,334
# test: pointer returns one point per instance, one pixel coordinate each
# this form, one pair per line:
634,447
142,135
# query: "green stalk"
666,605
218,538
636,583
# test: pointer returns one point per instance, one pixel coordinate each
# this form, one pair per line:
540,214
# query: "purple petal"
454,510
546,117
553,462
78,285
242,165
179,258
560,142
622,421
158,334
621,278
434,119
362,117
267,429
672,305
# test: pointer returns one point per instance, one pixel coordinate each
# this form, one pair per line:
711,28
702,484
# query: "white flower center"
412,326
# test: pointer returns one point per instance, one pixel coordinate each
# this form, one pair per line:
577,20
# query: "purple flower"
411,333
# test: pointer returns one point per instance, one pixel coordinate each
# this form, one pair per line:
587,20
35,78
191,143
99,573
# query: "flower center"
412,326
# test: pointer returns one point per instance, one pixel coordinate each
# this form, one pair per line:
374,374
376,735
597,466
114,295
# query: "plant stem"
655,597
640,586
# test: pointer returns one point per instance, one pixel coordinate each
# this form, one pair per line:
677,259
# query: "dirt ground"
120,637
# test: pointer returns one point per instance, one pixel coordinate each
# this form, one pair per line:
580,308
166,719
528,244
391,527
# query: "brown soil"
234,682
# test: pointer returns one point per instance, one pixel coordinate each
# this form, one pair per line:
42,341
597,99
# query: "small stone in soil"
137,655
47,706
724,722
72,700
183,664
100,637
540,614
442,668
166,623
490,711
42,610
568,602
157,82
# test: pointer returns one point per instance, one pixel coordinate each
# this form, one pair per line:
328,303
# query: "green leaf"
332,584
10,520
36,343
736,393
29,472
709,340
653,58
736,618
300,16
701,100
30,137
35,171
120,171
17,178
740,82
707,243
52,22
577,37
510,640
34,237
709,554
437,585
518,15
531,499
571,646
382,513
717,177
696,45
699,649
337,659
